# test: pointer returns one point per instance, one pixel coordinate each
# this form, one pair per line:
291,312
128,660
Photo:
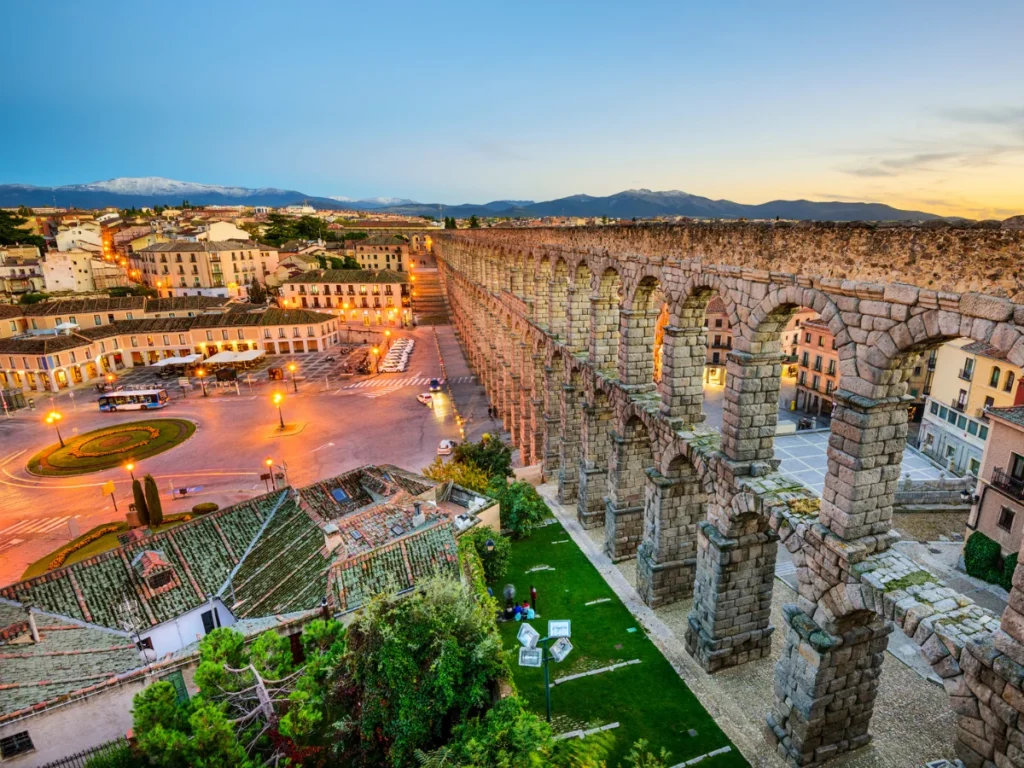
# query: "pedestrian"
530,614
517,612
533,597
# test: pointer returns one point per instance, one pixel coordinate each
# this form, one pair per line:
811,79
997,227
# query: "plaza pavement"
346,423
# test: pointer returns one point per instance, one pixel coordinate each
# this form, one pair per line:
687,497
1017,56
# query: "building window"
973,466
17,744
993,380
209,335
1006,516
97,320
1008,386
807,338
224,335
934,408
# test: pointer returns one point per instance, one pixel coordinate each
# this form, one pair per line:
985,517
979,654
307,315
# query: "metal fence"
79,759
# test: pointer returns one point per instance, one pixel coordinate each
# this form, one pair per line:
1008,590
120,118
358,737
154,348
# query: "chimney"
32,628
418,517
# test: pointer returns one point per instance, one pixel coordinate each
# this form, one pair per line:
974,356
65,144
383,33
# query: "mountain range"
632,203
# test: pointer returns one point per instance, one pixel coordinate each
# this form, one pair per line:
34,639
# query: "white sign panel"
530,657
528,636
561,649
559,628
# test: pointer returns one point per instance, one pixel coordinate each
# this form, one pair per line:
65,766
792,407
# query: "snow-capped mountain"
156,185
373,202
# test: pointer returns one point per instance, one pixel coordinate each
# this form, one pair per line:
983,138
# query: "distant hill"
633,203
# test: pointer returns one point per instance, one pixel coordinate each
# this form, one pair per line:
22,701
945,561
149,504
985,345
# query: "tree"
495,561
154,507
464,473
257,293
449,222
490,454
417,665
140,502
641,757
12,232
521,506
474,222
350,262
33,297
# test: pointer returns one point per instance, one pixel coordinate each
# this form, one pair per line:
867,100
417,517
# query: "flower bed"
63,554
131,446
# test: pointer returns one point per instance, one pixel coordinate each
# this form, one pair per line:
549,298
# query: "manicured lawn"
648,699
110,447
102,544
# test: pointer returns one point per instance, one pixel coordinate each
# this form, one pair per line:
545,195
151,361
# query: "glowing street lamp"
130,468
201,373
376,360
387,338
278,399
270,471
295,384
54,418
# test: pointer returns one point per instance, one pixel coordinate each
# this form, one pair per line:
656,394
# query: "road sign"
561,649
528,636
530,657
108,487
559,628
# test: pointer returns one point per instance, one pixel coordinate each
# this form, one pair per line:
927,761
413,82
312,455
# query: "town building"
716,321
357,296
82,234
222,231
84,347
971,378
999,509
20,272
80,641
379,252
81,271
211,268
817,368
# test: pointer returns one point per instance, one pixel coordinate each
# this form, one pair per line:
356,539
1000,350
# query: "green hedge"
983,559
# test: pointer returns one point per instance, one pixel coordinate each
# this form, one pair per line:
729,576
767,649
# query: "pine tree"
140,502
153,503
257,294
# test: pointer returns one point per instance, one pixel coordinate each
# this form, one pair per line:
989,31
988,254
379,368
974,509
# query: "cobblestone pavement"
912,722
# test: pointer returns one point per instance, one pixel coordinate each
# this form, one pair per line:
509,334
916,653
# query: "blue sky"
919,104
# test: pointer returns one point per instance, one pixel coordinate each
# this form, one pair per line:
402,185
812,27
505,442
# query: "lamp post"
387,340
270,470
295,384
278,399
54,418
130,468
201,373
376,360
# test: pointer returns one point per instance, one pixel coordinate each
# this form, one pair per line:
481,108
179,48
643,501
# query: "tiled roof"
179,303
68,657
8,311
984,350
380,240
83,306
396,566
187,246
270,316
350,276
1013,414
43,345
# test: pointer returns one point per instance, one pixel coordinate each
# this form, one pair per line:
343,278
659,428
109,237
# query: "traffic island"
287,430
110,447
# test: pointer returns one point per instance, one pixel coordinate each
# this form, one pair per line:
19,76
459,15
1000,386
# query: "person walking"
533,597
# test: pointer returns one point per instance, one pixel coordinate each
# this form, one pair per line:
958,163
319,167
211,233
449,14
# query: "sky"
915,104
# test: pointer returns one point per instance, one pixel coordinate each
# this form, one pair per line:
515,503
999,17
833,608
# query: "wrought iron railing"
1008,484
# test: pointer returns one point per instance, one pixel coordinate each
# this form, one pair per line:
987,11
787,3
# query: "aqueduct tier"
591,343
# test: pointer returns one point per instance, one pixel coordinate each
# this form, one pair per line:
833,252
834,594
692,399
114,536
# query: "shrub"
466,474
521,506
140,502
120,756
981,557
1009,566
205,508
495,562
153,504
490,454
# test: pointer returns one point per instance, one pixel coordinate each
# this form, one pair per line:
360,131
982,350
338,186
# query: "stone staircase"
428,305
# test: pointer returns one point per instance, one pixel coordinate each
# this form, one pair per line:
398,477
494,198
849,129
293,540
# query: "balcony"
958,405
1008,484
966,373
931,363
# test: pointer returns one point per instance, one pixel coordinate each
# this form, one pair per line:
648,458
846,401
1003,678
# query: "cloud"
1011,116
918,161
496,150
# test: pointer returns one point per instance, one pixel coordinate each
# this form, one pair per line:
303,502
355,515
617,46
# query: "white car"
426,398
446,447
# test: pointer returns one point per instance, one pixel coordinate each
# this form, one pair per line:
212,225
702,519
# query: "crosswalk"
405,381
49,525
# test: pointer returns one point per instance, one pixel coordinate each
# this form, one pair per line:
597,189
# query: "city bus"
134,400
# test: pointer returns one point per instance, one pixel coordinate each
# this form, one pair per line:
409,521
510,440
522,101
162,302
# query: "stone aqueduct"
591,344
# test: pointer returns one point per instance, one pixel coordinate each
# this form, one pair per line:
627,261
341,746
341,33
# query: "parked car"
426,398
446,447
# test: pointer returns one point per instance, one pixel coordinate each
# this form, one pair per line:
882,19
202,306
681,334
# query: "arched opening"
630,458
641,349
605,332
675,503
516,275
539,292
558,300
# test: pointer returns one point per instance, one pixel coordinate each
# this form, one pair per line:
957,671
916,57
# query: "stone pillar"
538,430
624,510
552,421
569,447
516,281
825,687
636,348
666,563
682,374
578,320
729,623
604,335
596,424
751,405
865,450
558,306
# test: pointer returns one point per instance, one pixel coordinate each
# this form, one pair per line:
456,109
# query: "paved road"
345,423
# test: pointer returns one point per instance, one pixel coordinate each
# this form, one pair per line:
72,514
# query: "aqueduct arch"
704,511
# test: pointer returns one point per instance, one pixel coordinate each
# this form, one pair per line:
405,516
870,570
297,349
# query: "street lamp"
201,373
270,470
53,418
130,467
295,384
387,338
278,399
376,361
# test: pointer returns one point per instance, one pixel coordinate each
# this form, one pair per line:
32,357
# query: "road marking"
45,525
325,445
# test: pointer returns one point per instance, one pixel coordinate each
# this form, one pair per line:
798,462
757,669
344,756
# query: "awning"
249,355
221,358
187,360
